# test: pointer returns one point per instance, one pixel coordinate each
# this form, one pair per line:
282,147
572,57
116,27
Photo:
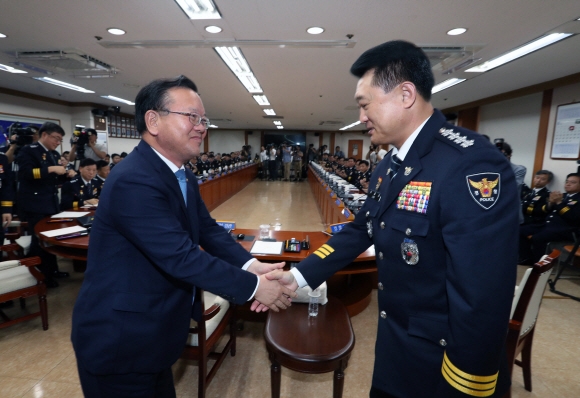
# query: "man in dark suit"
131,318
39,174
6,193
83,190
433,212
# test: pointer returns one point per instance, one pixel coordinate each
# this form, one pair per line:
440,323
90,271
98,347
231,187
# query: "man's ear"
409,94
151,121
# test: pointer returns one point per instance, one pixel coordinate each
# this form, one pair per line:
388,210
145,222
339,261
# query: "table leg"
275,379
338,384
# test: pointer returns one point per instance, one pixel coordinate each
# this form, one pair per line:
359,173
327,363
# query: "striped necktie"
395,164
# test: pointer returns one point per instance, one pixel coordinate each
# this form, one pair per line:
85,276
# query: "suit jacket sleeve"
142,215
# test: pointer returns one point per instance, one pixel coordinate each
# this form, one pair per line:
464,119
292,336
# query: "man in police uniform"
563,219
83,190
535,202
6,193
445,289
39,173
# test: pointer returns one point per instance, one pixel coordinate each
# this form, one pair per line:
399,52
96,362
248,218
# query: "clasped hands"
276,289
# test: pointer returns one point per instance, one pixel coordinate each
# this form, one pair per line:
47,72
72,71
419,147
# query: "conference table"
352,285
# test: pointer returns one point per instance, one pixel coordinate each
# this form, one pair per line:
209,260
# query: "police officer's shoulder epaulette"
455,137
74,180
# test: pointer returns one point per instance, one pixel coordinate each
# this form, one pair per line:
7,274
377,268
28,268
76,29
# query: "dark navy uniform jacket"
134,307
6,185
565,217
445,232
37,192
75,192
535,206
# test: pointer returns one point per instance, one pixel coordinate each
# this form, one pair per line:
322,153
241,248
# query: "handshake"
276,289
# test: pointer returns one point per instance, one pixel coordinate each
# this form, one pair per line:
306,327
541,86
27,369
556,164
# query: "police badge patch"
410,251
484,188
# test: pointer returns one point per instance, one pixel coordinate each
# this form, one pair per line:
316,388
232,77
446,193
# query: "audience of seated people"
83,190
563,218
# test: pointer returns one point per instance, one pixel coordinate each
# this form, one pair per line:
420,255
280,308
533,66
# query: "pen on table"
76,234
61,220
324,232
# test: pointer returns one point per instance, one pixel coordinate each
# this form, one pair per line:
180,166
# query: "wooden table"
310,344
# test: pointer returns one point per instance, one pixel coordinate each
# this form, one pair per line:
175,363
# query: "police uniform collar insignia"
456,137
484,188
44,156
410,251
408,170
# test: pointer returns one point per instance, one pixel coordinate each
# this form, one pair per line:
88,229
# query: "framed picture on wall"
566,140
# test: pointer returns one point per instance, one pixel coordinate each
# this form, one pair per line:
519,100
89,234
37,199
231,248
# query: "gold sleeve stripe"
322,256
36,173
544,209
479,379
477,386
530,209
323,250
6,203
564,210
75,205
468,391
330,249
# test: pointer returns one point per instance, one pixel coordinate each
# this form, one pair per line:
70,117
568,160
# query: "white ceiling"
306,85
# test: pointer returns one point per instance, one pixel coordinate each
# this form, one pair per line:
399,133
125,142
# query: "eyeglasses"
56,137
194,118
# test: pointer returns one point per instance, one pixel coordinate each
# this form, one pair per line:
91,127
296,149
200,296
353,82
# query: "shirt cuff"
248,263
299,278
245,268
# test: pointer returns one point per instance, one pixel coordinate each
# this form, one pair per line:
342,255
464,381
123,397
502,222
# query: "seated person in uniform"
535,202
83,190
563,219
116,159
103,170
363,175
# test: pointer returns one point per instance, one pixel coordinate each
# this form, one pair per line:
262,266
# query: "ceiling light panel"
113,98
350,125
261,100
269,112
280,127
199,9
456,31
63,84
10,69
277,122
520,52
213,29
2,35
116,31
235,60
446,84
315,30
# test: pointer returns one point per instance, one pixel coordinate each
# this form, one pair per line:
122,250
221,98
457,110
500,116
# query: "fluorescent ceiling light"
63,84
269,112
199,9
280,127
116,31
213,29
277,122
213,126
457,31
2,35
79,125
446,84
315,30
118,99
261,100
520,52
235,60
350,125
10,69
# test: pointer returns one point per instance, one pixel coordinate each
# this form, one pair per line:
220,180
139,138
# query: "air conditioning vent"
331,123
72,62
273,117
448,59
